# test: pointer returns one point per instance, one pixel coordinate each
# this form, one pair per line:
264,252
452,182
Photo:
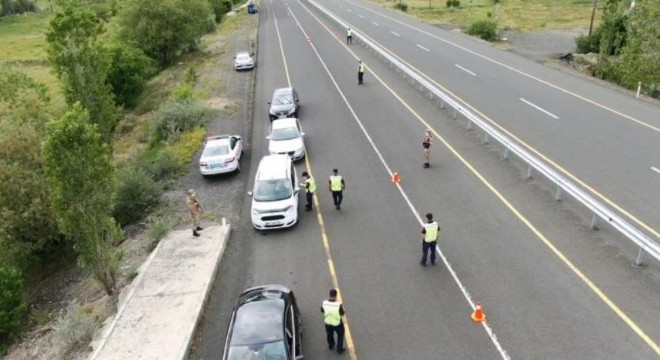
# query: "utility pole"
593,14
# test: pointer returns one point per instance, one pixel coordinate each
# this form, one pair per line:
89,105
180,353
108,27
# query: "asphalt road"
604,137
550,287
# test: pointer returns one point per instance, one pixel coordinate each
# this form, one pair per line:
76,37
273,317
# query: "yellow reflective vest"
310,185
331,315
431,233
335,183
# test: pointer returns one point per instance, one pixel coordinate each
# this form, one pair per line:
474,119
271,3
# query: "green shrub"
187,145
13,305
76,328
158,230
401,6
163,167
174,117
220,8
184,93
484,29
18,7
129,70
456,3
136,193
585,44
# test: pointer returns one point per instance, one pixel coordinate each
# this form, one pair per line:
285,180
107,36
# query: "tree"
27,224
164,29
130,68
75,52
640,57
82,182
13,305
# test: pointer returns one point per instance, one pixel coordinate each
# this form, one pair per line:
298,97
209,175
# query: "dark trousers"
428,247
337,197
309,196
330,332
360,77
349,39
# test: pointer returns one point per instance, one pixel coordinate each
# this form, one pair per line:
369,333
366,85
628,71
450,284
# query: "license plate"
217,166
274,223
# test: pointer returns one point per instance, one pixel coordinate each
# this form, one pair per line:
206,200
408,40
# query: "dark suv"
284,104
265,324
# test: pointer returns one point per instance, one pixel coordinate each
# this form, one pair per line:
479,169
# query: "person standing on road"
426,143
430,233
332,311
349,36
360,72
195,210
336,185
310,189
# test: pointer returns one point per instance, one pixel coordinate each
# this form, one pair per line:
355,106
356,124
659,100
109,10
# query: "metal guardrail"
600,211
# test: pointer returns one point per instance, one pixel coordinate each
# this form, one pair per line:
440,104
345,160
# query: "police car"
222,154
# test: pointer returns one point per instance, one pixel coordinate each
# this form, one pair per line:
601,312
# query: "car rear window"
258,322
284,134
215,150
284,99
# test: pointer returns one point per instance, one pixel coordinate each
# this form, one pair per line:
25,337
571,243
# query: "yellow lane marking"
324,235
557,87
593,287
611,203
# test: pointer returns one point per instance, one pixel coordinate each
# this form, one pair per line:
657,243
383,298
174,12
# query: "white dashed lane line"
466,70
360,16
423,48
375,23
395,34
540,109
655,169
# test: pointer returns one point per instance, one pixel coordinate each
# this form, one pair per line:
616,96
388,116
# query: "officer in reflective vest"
360,72
332,312
310,189
430,233
349,36
337,186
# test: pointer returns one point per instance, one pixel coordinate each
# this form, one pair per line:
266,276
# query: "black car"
265,324
284,104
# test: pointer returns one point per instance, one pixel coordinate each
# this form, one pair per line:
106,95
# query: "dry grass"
522,15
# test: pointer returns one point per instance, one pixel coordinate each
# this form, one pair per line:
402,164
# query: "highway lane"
374,239
611,153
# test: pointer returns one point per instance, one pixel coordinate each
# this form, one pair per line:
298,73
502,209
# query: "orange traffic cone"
478,315
395,178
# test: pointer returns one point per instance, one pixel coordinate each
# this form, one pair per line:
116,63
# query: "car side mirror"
299,357
269,103
268,137
302,134
297,100
250,193
252,54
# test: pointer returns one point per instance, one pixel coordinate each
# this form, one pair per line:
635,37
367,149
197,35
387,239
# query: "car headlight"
288,208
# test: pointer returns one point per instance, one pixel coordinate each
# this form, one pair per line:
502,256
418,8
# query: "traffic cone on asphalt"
395,178
478,314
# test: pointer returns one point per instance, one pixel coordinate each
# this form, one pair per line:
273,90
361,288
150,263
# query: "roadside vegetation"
98,117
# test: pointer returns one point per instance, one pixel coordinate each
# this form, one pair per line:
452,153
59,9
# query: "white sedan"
243,61
286,137
222,154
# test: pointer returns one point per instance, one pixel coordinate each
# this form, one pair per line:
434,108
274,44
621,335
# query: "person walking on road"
360,72
336,186
195,210
349,36
426,143
430,233
332,311
310,189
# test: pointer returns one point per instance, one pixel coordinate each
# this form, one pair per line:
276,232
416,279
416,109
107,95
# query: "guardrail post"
558,194
486,139
594,222
529,171
640,257
506,152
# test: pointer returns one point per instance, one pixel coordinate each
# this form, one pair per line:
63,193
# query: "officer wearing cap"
332,311
195,210
337,185
310,189
430,232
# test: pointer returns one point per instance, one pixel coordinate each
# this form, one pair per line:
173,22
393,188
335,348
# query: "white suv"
275,193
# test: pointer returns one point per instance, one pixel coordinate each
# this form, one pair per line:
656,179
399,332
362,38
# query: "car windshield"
215,150
268,351
243,57
285,133
272,190
283,99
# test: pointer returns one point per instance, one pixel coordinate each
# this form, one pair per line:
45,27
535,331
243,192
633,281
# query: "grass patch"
158,230
185,147
520,15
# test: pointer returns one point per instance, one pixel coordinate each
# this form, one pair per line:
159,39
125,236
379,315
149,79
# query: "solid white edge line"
655,169
423,48
393,33
466,294
466,70
375,23
539,108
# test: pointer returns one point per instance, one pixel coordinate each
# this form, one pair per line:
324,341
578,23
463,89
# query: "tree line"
628,44
59,180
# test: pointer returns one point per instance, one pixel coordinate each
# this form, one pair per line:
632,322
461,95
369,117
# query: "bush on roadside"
401,6
129,70
16,7
136,193
174,117
163,167
220,8
76,328
484,29
13,306
187,145
158,230
585,44
453,3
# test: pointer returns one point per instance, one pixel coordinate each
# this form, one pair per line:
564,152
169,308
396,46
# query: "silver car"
287,138
222,154
244,61
285,104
